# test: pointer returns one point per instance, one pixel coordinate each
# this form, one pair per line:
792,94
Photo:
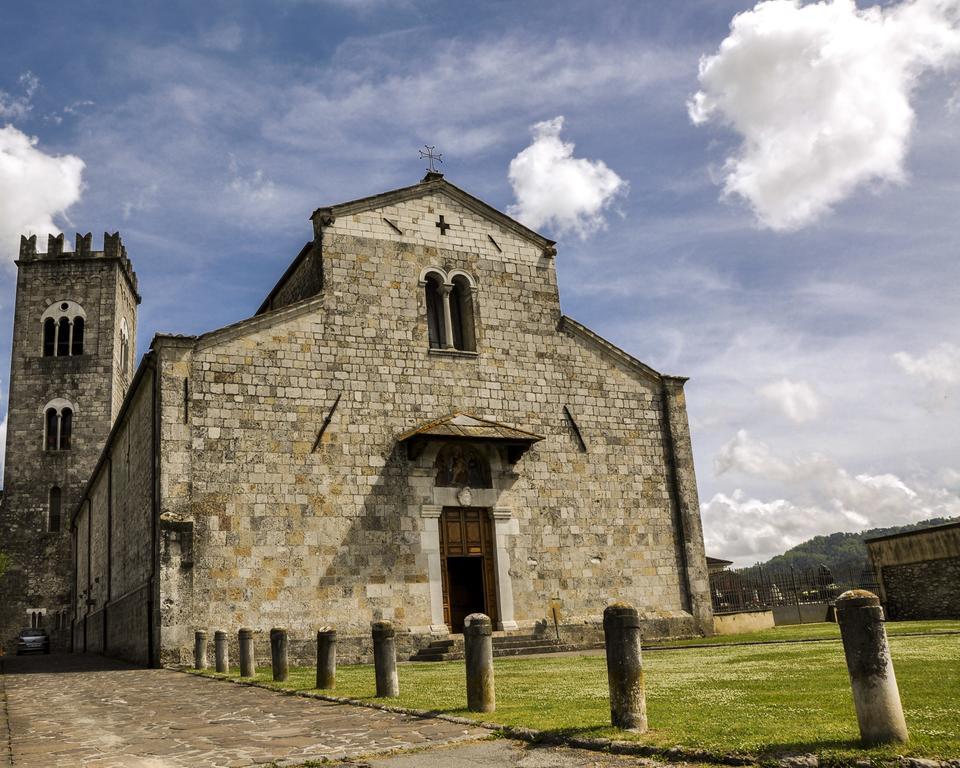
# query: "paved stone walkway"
75,710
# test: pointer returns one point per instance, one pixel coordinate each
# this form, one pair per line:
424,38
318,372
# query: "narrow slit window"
53,516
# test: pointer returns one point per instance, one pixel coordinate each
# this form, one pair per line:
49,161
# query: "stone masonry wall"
40,578
284,535
927,590
115,541
126,304
305,281
918,572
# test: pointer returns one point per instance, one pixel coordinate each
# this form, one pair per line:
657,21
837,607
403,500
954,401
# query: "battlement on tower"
113,248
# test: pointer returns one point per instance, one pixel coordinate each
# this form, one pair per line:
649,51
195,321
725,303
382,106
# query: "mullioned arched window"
451,319
63,329
58,425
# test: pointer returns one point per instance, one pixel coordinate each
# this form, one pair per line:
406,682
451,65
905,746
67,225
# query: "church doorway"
466,549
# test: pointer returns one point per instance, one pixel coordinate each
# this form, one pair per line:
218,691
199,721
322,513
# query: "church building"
407,429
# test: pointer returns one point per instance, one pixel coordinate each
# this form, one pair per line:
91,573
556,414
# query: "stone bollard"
875,693
221,651
385,659
326,658
478,652
621,632
248,665
278,653
200,649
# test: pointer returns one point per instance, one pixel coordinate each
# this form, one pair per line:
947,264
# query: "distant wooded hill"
840,552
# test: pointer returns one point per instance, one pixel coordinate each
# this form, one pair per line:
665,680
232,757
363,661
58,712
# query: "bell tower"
74,330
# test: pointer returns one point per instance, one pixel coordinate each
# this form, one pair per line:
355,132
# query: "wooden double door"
469,572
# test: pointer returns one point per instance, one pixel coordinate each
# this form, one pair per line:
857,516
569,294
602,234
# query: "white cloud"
817,497
463,96
796,399
940,365
18,107
953,102
34,188
744,454
554,189
820,95
950,478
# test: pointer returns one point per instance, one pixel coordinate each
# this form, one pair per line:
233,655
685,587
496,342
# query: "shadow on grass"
814,746
832,751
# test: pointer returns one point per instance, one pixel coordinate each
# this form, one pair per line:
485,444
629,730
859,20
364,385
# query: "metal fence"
758,588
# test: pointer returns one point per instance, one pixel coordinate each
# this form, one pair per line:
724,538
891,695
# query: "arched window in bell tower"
63,326
52,428
124,356
76,343
49,337
63,337
58,425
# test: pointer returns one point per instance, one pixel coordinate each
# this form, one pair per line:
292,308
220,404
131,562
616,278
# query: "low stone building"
918,572
408,429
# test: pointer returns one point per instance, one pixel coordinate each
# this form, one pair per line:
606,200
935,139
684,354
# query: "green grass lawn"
819,631
766,700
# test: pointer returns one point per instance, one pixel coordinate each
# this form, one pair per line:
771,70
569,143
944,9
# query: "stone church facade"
408,429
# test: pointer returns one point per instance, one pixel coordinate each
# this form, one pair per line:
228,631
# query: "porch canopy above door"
462,427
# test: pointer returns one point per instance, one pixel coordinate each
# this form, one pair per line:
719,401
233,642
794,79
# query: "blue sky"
807,287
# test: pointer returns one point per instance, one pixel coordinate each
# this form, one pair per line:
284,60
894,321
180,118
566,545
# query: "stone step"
539,646
442,644
521,642
552,648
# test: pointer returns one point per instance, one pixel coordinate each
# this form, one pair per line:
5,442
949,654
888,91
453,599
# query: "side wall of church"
304,281
115,538
39,580
291,530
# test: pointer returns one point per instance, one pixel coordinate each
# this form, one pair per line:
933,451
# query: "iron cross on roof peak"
431,157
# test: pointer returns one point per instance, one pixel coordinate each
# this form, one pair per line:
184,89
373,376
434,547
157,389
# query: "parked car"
33,640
